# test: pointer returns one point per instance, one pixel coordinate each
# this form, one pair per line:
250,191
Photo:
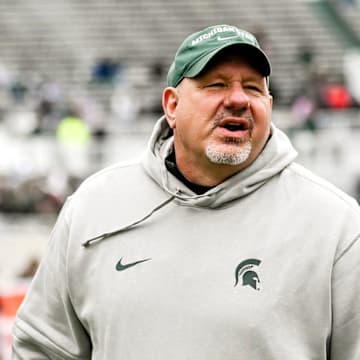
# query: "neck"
203,172
170,163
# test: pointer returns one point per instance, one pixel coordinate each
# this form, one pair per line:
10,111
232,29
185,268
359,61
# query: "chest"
218,270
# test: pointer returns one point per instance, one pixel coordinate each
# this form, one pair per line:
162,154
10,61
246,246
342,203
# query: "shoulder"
319,188
325,206
114,179
109,187
110,173
112,196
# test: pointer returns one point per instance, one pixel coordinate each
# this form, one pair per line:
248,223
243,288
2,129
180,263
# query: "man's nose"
236,97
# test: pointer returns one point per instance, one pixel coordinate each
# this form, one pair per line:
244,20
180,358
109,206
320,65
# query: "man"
214,245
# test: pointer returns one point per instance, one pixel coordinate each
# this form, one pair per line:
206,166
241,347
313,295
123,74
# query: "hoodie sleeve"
345,339
46,325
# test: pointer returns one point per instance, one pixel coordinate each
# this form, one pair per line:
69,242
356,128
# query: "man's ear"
169,102
271,101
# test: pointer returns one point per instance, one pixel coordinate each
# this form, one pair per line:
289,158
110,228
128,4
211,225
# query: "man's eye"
216,84
252,87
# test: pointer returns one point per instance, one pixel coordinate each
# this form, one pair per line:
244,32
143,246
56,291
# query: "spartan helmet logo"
246,270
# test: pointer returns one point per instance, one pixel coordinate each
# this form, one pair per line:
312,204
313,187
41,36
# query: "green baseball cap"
200,47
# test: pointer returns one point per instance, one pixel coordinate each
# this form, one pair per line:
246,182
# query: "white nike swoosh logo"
219,38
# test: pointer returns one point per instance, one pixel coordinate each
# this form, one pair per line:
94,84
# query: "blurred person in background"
214,244
352,73
73,136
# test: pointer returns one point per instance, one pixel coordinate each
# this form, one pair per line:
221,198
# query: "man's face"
221,118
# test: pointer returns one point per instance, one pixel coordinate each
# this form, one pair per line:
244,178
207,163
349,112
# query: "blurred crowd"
77,119
320,90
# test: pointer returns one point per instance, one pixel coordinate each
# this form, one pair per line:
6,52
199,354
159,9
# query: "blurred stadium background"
80,88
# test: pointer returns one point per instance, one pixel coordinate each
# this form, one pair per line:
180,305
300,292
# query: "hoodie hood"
277,154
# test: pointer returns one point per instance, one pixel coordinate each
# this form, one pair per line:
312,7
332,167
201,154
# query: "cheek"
192,116
262,110
262,118
187,130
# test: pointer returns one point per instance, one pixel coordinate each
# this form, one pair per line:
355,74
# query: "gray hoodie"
264,266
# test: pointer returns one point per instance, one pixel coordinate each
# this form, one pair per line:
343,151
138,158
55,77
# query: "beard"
232,153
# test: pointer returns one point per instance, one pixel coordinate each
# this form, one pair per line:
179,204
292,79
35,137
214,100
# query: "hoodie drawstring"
126,227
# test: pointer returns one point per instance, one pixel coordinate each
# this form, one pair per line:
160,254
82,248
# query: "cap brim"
257,58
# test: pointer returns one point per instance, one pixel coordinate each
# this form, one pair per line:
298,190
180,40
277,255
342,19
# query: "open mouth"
235,126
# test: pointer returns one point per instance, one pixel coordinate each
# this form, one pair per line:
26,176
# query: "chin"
229,154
